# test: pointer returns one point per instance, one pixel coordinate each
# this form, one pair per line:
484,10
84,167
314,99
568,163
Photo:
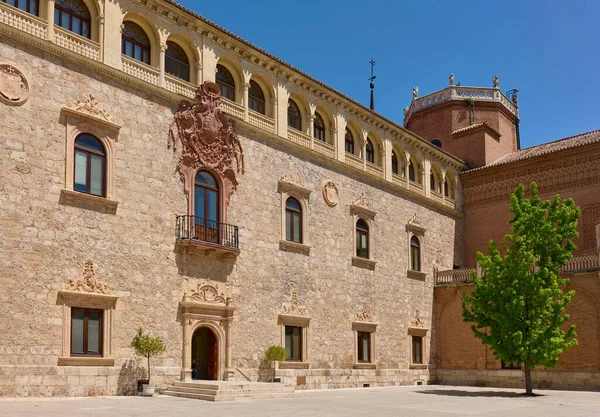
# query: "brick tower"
476,124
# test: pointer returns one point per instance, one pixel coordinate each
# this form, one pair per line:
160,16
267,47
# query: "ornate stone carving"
331,193
88,283
91,106
417,321
496,81
364,202
365,315
451,79
206,292
414,221
14,88
415,93
293,308
294,178
208,138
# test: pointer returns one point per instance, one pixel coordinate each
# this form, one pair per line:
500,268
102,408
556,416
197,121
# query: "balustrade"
298,137
232,109
324,148
261,121
179,86
21,20
354,161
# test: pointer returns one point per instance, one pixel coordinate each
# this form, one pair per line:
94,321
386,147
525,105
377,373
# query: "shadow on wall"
465,393
265,371
128,376
195,264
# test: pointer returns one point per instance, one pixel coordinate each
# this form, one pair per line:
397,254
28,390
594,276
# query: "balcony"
207,235
21,20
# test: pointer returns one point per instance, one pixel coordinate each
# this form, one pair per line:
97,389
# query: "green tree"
275,354
518,305
147,346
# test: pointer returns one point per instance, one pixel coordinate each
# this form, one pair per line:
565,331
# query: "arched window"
294,115
362,239
370,151
29,6
446,190
90,166
73,15
394,163
432,182
319,128
135,43
177,62
349,140
415,254
256,98
437,143
293,220
225,82
411,171
206,208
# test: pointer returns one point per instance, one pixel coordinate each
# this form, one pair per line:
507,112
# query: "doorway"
204,354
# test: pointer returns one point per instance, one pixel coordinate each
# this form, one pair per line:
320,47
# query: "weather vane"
372,84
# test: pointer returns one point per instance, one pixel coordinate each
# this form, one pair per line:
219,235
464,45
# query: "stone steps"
228,390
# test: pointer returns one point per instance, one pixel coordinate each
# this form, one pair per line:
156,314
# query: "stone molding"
14,87
293,307
414,225
294,314
83,200
88,283
363,205
207,296
294,182
90,108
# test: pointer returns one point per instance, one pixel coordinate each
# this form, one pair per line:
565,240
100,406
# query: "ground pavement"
418,401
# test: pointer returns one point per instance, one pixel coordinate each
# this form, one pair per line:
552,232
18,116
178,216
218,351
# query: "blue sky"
549,50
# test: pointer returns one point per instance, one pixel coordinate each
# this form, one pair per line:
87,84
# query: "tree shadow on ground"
465,393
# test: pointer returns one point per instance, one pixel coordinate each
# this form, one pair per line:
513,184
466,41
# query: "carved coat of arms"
13,85
208,138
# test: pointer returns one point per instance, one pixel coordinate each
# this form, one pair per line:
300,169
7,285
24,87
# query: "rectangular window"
293,343
81,171
86,332
364,347
417,349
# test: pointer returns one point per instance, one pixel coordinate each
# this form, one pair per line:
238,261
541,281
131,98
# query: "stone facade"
134,252
144,276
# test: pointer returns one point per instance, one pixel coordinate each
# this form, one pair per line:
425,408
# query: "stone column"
228,369
161,64
443,187
50,17
281,109
100,20
426,173
246,106
387,159
338,139
311,129
186,366
364,148
198,65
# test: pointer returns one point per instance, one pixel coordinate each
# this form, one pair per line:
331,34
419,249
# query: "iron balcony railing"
206,230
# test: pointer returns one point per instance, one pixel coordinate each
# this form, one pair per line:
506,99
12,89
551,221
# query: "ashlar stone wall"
45,242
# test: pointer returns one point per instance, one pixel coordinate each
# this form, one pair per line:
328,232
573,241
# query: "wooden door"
212,356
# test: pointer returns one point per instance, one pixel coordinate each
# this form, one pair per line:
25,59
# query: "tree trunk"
148,369
528,389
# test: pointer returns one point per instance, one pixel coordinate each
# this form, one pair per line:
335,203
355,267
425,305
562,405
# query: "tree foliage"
518,305
147,346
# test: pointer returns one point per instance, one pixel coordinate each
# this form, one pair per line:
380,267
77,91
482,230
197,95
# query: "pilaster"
283,96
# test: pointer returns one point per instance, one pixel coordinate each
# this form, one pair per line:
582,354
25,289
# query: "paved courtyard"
428,401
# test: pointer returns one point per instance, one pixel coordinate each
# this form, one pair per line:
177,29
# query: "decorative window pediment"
207,296
363,205
414,225
88,287
292,313
292,181
365,320
90,109
417,327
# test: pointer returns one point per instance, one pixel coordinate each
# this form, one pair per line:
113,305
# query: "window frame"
349,141
395,164
89,152
183,64
229,87
294,118
415,261
293,212
86,353
71,14
27,6
419,332
145,48
419,351
360,347
360,233
257,103
370,328
290,189
300,336
370,151
319,127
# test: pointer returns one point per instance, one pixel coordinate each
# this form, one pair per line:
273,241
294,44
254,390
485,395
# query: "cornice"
244,49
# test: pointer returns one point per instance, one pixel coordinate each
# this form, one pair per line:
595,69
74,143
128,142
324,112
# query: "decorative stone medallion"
14,88
331,193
